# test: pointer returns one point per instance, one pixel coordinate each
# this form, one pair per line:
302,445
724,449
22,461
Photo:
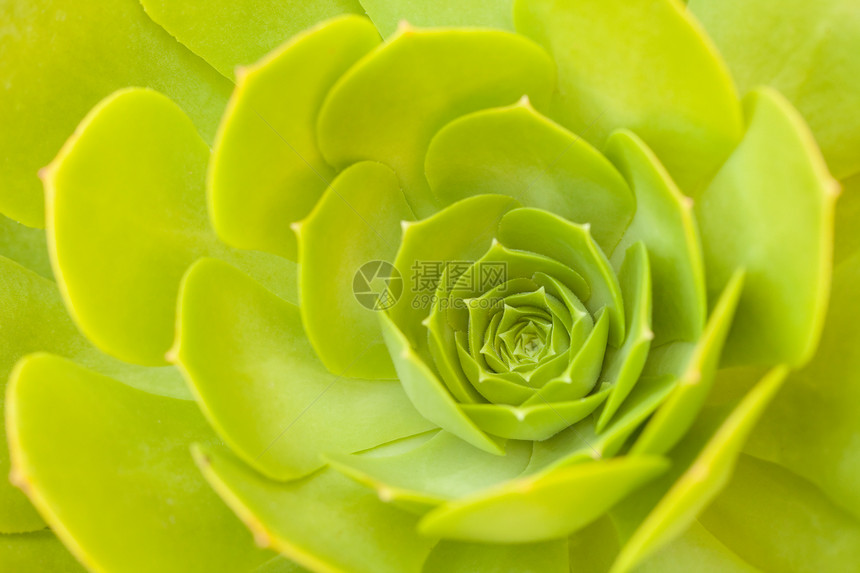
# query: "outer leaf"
306,519
60,57
696,550
356,222
25,245
455,557
32,318
518,152
126,216
389,106
228,34
78,453
643,65
249,362
37,551
266,169
703,479
664,222
807,51
545,506
794,526
388,14
770,211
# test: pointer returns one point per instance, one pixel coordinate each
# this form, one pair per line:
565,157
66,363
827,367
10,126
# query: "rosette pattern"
602,323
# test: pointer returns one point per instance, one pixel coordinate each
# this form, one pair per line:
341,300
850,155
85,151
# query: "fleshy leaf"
457,557
678,413
127,216
573,246
388,14
518,152
794,526
807,51
389,106
544,506
266,169
696,550
60,57
643,65
32,319
355,225
429,394
25,245
305,519
770,211
439,469
37,551
229,34
701,481
248,360
664,221
78,451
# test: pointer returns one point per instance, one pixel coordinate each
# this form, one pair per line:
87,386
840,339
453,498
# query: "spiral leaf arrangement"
600,268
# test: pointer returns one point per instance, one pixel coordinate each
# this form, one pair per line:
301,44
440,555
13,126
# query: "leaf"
700,480
248,361
643,65
770,211
806,51
236,33
388,14
60,57
696,550
90,451
456,557
846,240
353,230
794,526
665,223
127,216
389,106
306,519
544,506
37,551
518,152
25,245
266,170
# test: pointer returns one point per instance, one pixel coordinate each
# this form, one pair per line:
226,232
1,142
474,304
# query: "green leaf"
642,65
428,394
846,239
32,318
356,223
389,106
441,468
266,170
305,519
25,245
696,550
544,506
248,361
388,14
90,451
812,428
794,526
770,211
624,365
707,473
573,246
456,557
60,57
236,33
518,152
127,216
807,51
665,223
677,414
37,551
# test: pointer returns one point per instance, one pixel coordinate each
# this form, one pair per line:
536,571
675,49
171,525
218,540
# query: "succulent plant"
530,286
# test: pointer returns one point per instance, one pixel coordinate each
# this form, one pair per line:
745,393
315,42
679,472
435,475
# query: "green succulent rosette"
531,286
